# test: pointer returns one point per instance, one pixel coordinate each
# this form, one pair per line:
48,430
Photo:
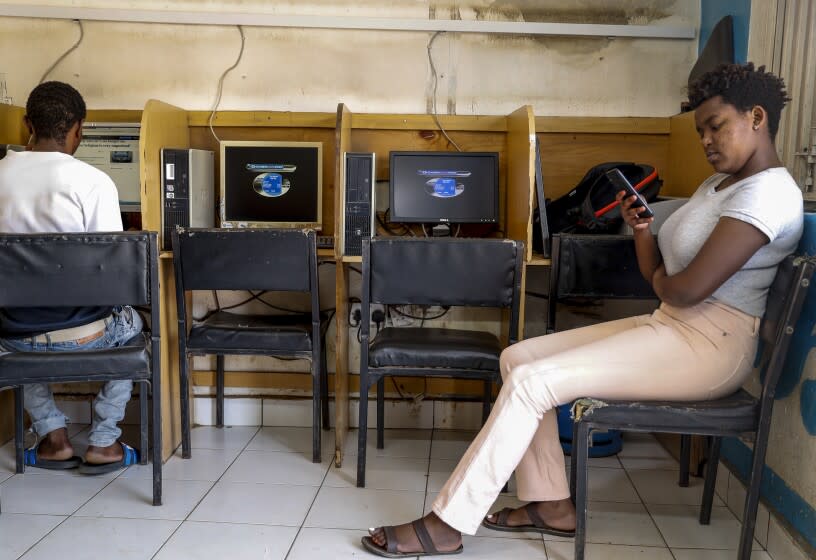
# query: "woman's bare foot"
558,514
444,537
101,455
55,446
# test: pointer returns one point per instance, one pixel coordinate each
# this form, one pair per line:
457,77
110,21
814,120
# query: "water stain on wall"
639,13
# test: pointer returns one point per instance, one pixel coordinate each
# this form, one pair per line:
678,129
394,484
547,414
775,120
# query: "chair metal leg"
752,495
381,413
710,480
316,408
219,391
580,455
157,439
184,389
486,398
685,459
573,464
19,436
324,388
143,414
362,432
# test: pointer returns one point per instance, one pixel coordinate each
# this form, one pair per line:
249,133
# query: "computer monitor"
114,149
271,184
444,187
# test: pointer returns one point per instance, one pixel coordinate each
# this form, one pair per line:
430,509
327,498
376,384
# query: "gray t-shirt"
770,201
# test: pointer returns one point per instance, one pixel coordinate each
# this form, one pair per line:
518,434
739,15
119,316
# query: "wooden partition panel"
279,126
163,126
341,375
12,127
571,146
688,166
521,177
383,134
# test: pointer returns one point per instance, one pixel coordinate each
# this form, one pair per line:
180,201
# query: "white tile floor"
254,493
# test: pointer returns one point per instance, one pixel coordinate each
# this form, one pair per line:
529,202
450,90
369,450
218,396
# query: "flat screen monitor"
271,184
444,187
114,149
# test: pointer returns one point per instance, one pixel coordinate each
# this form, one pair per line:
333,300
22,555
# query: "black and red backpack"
591,206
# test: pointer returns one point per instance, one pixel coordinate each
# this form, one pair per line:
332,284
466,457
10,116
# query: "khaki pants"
695,353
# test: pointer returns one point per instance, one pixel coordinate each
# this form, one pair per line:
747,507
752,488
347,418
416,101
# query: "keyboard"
325,242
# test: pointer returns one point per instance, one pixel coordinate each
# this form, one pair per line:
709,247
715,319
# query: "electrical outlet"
375,309
354,314
377,312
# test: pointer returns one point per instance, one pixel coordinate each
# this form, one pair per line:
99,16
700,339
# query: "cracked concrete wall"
121,65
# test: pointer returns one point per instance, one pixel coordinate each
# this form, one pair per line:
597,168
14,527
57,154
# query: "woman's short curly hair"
53,108
744,87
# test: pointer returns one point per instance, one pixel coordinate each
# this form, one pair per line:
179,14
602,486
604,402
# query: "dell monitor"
444,187
271,184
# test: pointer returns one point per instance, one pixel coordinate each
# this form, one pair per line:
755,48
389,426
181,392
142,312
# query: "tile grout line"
70,515
308,511
648,511
207,493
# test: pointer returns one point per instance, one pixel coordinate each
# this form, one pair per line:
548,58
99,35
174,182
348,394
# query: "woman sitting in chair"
711,267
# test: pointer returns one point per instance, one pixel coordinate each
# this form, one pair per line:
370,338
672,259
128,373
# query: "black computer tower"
359,212
187,185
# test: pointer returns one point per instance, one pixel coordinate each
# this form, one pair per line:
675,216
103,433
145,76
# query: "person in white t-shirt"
42,190
712,268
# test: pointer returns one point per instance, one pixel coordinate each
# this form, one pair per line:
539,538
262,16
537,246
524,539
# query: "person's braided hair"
744,87
53,108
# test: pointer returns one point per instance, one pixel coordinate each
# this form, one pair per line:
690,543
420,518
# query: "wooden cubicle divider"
270,125
341,372
520,177
570,146
12,127
688,166
163,126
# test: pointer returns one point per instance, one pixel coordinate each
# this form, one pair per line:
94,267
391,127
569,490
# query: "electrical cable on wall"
66,53
221,82
433,99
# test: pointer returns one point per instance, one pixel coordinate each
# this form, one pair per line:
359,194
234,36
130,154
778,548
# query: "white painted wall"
121,65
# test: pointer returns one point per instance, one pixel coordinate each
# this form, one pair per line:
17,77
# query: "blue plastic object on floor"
603,443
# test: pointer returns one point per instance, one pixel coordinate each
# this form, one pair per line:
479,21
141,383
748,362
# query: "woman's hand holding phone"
630,213
632,204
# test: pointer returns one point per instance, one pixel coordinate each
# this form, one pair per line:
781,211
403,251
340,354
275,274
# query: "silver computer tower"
188,191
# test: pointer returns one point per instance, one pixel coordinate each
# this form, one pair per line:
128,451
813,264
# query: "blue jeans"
109,405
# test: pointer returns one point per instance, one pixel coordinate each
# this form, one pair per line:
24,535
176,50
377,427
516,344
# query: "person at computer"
712,267
42,190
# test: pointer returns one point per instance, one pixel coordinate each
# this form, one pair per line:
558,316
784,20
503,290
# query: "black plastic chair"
736,415
86,269
589,266
250,259
446,272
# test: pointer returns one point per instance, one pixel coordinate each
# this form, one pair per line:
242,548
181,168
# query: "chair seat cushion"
252,333
130,361
435,348
732,414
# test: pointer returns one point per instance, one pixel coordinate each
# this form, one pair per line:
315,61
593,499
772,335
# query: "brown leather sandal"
390,551
538,526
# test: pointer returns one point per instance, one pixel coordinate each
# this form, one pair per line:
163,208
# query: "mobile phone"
622,183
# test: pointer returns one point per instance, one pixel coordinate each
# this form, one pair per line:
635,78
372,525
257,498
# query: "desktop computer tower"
359,212
187,186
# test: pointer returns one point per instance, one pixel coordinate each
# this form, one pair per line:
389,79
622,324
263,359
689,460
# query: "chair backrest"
78,269
245,259
594,266
785,301
456,272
